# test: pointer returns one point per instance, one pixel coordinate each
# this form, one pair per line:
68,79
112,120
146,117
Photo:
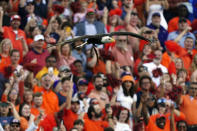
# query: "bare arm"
177,39
15,113
22,3
93,61
147,5
172,126
69,97
25,47
114,96
105,16
128,15
165,4
1,19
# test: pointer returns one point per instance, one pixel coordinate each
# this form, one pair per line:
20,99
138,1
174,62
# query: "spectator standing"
16,35
35,58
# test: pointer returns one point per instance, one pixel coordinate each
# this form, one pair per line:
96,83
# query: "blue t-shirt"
61,98
6,120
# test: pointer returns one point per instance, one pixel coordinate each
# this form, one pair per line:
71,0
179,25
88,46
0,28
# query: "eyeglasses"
145,83
182,126
122,40
51,61
193,88
134,13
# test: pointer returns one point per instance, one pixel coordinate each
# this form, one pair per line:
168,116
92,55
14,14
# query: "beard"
98,115
98,87
160,123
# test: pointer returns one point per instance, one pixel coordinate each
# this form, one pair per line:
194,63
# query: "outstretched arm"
1,19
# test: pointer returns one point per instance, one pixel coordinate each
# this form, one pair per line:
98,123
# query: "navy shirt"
61,98
6,120
162,36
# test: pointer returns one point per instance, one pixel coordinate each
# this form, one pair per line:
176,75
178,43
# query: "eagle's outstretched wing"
99,36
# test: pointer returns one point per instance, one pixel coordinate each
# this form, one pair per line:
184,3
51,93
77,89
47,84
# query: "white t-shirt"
151,66
122,127
125,101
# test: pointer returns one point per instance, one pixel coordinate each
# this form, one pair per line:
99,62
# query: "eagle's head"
107,39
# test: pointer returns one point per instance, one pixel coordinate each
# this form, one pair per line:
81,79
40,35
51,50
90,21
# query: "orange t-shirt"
99,67
35,111
173,24
50,100
188,107
166,60
181,52
17,44
5,61
69,117
152,122
91,125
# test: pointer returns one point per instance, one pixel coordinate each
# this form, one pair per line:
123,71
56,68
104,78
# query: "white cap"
38,37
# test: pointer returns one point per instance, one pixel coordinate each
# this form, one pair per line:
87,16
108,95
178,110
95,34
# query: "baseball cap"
83,82
90,11
30,2
182,19
15,121
15,17
75,100
4,104
128,78
156,14
64,68
38,37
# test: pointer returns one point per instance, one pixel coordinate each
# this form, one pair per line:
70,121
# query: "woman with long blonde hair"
193,66
5,48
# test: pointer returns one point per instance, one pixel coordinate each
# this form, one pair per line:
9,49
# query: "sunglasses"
15,125
181,126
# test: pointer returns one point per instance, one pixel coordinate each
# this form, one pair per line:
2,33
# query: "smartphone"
50,70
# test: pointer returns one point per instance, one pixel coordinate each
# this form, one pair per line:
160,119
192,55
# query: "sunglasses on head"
134,13
15,125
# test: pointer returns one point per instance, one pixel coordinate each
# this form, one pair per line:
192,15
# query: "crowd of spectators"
126,85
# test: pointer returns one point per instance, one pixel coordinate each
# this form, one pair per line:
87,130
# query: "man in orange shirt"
16,35
188,105
71,112
50,99
37,104
186,54
48,122
163,120
94,122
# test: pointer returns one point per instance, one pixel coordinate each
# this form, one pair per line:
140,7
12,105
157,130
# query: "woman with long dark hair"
126,95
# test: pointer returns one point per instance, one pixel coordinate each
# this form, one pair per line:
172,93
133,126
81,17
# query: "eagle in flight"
100,39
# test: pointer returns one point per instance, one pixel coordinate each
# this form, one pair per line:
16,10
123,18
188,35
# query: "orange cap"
128,78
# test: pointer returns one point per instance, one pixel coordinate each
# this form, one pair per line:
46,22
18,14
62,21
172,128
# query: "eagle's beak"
112,40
